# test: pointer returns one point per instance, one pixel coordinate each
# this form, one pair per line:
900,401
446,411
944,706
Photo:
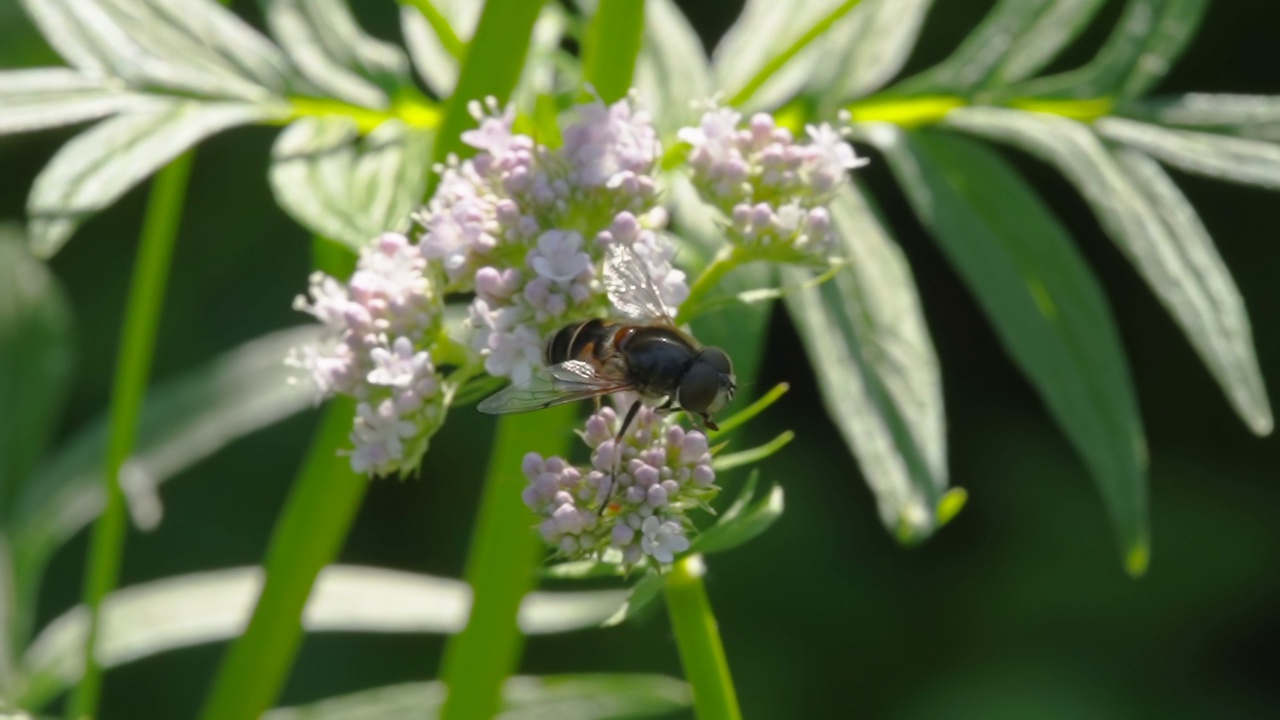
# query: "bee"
645,353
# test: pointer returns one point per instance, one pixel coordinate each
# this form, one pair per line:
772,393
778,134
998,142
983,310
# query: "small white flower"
559,256
662,539
398,366
378,435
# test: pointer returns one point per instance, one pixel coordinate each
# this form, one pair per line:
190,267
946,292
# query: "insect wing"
561,383
631,288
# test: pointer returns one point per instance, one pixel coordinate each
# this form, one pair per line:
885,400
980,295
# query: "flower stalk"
698,640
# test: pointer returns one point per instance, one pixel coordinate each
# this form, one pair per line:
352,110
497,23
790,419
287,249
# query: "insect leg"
617,440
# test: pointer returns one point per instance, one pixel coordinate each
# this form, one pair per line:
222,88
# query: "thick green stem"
698,640
133,367
613,42
780,60
501,569
309,534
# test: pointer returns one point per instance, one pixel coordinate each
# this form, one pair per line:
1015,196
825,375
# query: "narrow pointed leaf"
639,598
1252,116
1043,302
742,526
41,98
348,188
329,49
869,345
564,697
867,50
1177,261
436,65
36,359
1242,160
96,167
1038,45
152,618
672,70
1141,50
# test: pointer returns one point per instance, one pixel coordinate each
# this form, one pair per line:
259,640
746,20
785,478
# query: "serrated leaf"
1139,52
99,165
562,697
36,360
140,42
1043,301
199,608
41,98
1254,116
639,597
672,71
437,67
1179,263
1242,160
868,49
869,346
743,521
330,50
345,187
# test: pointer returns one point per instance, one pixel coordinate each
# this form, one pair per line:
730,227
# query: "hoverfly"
645,354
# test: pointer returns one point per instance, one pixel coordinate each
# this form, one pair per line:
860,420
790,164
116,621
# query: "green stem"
133,368
698,640
309,534
613,42
440,24
724,262
501,567
777,63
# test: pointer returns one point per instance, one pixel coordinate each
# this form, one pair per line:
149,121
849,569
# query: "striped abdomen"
593,341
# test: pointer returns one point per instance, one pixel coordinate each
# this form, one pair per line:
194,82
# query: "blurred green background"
1019,608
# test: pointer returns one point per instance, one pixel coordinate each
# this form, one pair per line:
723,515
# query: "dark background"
1019,608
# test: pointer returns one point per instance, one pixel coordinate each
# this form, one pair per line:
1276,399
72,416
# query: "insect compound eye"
718,359
699,387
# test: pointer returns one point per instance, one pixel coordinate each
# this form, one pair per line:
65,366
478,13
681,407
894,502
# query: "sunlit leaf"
155,617
1177,261
869,346
189,46
1043,301
41,98
435,64
96,167
1243,160
330,50
639,598
1254,116
345,187
1014,40
1140,51
36,359
672,70
866,51
562,697
742,522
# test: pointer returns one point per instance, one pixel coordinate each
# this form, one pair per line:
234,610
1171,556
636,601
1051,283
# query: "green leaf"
36,361
867,50
639,598
1254,116
1014,40
564,697
610,46
672,70
1242,160
1178,261
724,463
742,522
187,46
348,188
326,44
200,608
435,63
41,98
95,168
869,346
1044,303
1140,51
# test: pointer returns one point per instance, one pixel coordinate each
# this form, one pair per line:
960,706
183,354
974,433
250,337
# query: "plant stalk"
698,640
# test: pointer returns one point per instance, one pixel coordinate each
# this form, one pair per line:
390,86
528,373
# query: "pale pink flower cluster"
380,325
525,226
662,472
773,188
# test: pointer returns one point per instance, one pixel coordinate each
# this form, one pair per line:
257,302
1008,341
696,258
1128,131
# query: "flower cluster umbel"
646,483
381,325
773,188
526,226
